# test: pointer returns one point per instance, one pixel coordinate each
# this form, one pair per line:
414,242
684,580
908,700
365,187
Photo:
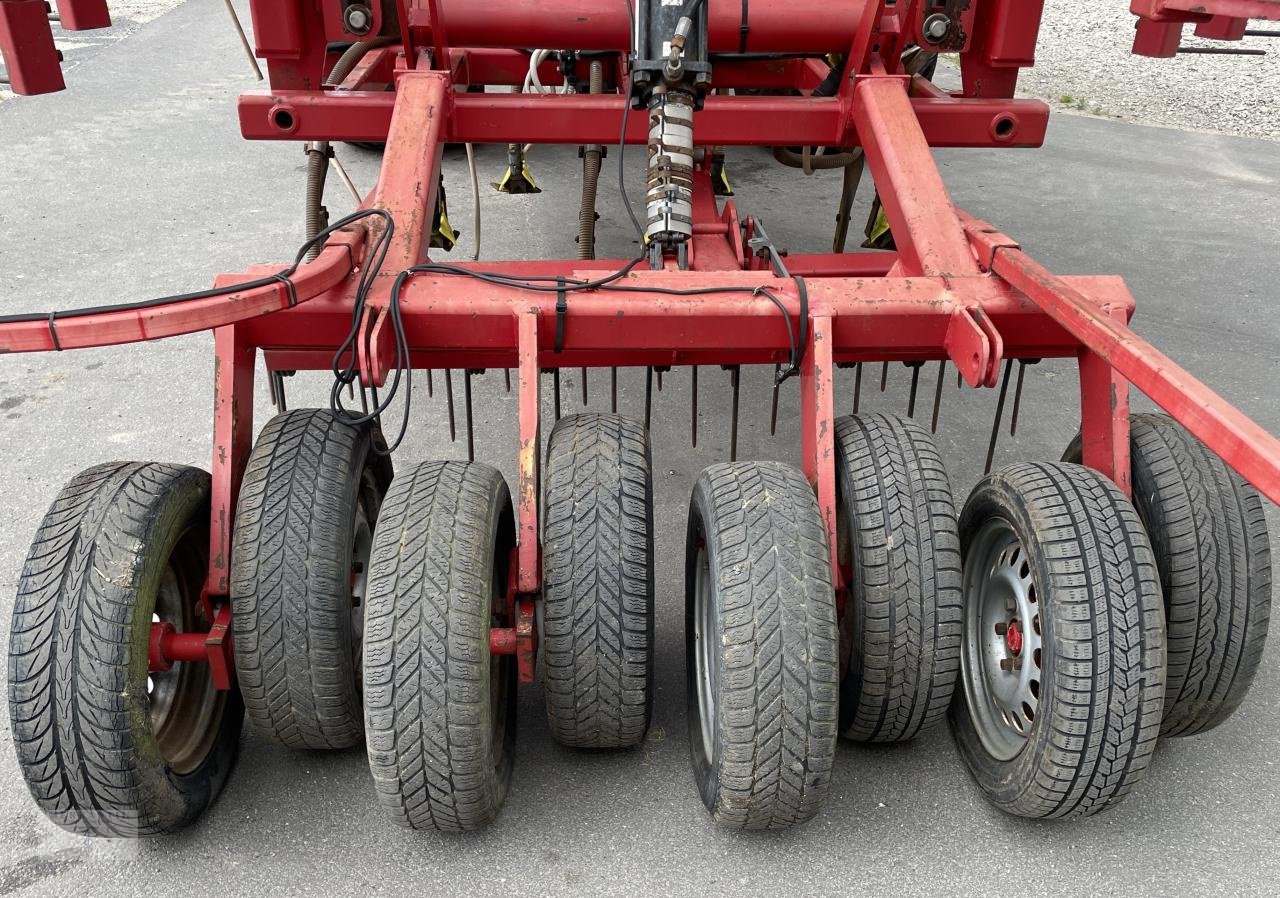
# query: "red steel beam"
83,15
582,118
1241,443
31,59
925,225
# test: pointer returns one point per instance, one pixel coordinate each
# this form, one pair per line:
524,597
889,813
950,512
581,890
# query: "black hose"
591,155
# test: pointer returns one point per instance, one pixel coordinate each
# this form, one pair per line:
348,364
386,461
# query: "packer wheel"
761,646
304,528
1063,656
900,626
107,748
1213,551
440,710
597,648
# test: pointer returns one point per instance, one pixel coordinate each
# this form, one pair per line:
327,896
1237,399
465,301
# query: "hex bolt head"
935,28
357,18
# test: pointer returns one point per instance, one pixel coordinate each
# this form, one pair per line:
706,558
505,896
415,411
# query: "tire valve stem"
448,388
937,395
995,425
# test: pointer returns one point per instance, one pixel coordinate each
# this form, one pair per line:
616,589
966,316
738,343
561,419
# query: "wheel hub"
1002,657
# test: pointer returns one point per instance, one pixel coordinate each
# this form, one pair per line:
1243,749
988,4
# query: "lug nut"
1006,664
1001,628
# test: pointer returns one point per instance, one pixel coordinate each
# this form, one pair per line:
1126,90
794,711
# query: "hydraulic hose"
318,151
591,156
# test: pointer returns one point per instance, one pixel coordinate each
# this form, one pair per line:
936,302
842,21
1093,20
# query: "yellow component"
444,236
523,184
720,180
879,236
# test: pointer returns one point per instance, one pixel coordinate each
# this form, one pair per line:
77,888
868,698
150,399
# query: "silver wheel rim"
706,659
361,545
1002,647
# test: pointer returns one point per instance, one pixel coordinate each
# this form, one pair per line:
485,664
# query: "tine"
613,390
773,411
648,397
351,389
448,388
431,383
915,384
733,433
884,376
659,373
937,395
1017,399
857,386
995,425
959,380
364,400
466,394
693,424
584,384
506,375
555,386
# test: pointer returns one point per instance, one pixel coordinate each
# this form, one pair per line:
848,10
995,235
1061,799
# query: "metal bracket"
974,344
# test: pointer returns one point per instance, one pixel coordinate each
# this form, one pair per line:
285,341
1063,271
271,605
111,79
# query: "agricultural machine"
1072,613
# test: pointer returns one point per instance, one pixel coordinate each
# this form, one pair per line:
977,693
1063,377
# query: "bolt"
1006,664
935,28
1001,628
357,18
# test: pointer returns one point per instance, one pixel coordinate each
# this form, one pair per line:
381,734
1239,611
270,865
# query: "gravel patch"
1083,64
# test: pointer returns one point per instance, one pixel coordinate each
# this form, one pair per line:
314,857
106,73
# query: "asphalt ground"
136,183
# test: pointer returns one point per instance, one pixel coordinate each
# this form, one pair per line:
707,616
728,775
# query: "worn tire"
597,582
762,722
312,488
96,757
1209,533
440,710
1101,622
900,631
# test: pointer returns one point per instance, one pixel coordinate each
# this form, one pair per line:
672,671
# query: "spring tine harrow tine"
431,383
693,423
995,425
506,375
584,384
937,395
659,371
1017,394
448,388
959,380
555,388
734,371
915,385
648,396
857,386
466,394
773,411
613,390
884,376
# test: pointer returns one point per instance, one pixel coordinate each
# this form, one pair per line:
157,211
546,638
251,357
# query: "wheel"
303,530
1063,656
761,646
106,748
1213,551
900,625
440,711
597,582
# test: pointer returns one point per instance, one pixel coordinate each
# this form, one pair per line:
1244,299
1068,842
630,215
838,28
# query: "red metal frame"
955,288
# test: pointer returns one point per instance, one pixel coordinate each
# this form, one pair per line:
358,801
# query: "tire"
304,524
900,628
1058,547
440,710
106,748
597,575
1209,533
761,646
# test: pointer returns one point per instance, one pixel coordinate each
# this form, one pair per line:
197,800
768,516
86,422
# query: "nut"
935,28
357,18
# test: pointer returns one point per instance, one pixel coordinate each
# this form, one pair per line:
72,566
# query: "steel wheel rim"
1001,662
184,708
705,658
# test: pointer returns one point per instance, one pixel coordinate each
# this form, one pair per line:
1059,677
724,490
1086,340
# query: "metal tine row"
735,382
